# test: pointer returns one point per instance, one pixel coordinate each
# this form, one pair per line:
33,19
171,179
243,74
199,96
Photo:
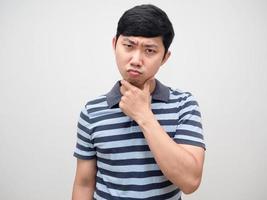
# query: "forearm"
176,163
82,192
85,180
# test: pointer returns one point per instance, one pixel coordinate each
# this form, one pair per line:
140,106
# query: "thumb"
148,84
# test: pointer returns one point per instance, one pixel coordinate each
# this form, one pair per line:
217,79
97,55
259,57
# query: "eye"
128,46
150,51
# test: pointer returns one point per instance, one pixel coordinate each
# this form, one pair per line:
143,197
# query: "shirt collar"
160,93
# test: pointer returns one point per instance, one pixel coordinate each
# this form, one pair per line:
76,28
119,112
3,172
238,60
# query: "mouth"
134,72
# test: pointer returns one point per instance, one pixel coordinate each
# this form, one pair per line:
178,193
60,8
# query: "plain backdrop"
56,55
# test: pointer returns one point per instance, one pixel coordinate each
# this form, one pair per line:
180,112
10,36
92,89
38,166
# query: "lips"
134,72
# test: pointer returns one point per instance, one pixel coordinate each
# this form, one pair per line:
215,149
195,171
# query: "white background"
56,55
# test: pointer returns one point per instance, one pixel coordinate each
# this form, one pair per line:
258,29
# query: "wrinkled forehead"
144,41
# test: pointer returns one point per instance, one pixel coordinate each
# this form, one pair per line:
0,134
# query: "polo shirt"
126,168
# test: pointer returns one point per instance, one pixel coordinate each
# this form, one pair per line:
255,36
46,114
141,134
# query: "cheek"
121,58
121,63
154,66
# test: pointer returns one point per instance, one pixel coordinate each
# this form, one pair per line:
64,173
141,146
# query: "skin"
144,55
138,60
85,180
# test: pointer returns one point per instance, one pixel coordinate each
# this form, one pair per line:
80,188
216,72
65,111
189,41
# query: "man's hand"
136,102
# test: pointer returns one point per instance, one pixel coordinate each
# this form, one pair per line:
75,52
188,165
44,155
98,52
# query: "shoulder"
97,101
95,104
182,97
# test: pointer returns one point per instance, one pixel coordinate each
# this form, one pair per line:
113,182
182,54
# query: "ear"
166,57
114,43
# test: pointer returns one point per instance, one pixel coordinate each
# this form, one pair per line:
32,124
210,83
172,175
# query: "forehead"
143,40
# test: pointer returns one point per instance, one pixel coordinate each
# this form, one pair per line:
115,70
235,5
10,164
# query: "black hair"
147,21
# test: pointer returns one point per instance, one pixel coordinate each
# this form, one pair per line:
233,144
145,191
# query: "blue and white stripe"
126,167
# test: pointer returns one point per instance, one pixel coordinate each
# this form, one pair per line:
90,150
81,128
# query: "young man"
142,140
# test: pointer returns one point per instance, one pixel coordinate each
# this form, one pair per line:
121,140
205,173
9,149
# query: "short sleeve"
84,148
189,129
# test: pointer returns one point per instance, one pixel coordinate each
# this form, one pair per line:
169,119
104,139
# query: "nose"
136,60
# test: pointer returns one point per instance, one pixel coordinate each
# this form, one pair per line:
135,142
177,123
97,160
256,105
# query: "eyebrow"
130,41
136,43
151,45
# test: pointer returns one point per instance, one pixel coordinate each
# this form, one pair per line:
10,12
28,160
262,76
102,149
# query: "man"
142,140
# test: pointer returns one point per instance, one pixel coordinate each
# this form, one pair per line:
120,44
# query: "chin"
136,83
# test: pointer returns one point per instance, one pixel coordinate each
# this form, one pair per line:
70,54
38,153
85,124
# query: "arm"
85,180
181,164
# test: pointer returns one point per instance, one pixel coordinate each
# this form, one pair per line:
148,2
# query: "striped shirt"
126,169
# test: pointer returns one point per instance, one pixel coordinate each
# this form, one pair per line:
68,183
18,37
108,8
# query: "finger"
148,84
122,89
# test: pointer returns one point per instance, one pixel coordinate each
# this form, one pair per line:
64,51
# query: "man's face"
139,58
